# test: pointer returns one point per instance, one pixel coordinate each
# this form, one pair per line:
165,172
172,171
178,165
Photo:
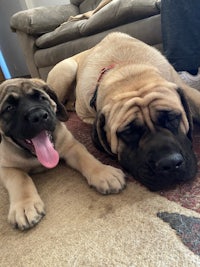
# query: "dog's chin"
158,182
155,180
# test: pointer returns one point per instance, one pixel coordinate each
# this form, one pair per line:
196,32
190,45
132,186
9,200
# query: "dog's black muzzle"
160,161
37,119
30,119
37,116
171,162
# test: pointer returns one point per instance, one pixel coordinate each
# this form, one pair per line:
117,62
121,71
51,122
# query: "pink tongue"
45,151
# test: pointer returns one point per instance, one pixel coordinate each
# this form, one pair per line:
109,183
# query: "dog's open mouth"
44,150
42,146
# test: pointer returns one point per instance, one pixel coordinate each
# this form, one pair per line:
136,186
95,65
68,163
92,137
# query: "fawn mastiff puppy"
140,109
33,135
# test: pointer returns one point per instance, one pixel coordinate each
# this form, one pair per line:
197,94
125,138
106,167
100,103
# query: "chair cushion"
114,14
39,20
142,29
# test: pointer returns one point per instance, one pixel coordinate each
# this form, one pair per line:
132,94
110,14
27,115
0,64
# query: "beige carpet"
84,228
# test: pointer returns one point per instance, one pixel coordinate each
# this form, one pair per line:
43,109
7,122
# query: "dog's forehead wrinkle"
8,97
27,85
135,109
12,88
31,90
36,89
147,105
9,90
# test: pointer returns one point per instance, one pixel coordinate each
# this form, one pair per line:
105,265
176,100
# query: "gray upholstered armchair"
47,37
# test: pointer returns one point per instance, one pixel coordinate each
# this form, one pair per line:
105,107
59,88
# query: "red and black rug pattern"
187,195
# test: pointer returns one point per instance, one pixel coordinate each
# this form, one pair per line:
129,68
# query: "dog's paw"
26,214
108,180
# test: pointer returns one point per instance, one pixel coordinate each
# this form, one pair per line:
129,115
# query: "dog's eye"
8,108
10,104
42,98
169,120
37,95
131,134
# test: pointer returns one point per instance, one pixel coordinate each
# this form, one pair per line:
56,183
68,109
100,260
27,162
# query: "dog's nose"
37,116
170,162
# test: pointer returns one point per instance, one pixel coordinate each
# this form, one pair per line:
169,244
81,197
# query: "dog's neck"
94,97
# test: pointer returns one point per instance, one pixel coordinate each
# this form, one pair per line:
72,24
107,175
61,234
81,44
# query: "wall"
9,44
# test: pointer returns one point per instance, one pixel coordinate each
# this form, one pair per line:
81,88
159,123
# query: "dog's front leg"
106,179
26,206
62,77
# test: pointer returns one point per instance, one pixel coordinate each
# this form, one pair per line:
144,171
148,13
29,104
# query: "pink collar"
102,72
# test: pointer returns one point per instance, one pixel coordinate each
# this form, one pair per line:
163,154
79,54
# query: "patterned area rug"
187,195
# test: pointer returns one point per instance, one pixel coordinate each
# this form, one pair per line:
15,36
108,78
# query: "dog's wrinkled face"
152,141
28,115
158,160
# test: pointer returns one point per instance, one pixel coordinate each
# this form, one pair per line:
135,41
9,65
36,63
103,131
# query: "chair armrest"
40,20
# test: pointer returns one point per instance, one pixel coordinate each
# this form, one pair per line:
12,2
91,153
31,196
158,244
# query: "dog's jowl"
34,137
140,109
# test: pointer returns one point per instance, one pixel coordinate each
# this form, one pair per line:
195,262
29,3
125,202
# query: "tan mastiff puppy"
33,136
135,100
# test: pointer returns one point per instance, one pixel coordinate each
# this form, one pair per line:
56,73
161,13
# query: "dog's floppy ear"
61,111
187,111
99,135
